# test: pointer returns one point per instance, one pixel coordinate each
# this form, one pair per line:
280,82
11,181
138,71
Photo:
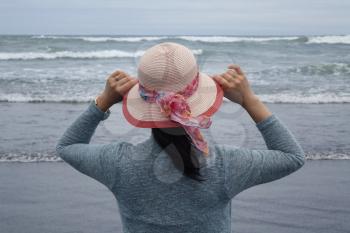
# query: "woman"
199,180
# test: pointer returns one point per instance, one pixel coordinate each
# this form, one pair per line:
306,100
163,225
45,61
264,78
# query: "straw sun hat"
170,68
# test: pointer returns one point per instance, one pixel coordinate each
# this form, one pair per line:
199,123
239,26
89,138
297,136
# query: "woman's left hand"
117,85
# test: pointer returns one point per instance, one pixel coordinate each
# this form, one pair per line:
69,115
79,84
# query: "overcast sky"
179,17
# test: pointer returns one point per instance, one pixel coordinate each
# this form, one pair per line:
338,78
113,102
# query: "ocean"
47,80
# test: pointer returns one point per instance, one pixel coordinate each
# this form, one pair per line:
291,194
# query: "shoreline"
31,130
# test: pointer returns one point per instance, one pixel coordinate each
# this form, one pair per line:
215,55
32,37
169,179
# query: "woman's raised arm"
97,161
245,168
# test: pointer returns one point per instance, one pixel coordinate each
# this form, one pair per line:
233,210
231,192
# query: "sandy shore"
54,198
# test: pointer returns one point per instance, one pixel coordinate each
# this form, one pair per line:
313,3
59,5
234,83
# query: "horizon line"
228,35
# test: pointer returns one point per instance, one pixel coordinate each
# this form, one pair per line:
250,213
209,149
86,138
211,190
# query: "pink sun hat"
169,67
172,92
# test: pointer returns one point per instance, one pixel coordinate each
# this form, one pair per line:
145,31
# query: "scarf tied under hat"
174,105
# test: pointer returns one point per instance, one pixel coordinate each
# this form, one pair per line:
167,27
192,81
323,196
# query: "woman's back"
153,196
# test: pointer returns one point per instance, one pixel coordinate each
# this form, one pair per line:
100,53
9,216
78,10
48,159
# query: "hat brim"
206,100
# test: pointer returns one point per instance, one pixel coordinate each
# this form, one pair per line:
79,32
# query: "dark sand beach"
53,198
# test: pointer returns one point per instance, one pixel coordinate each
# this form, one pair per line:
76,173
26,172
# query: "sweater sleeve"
245,168
97,161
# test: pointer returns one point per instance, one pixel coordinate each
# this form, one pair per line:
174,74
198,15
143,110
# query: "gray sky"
179,17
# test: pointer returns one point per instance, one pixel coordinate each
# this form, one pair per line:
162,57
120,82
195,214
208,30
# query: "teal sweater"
154,197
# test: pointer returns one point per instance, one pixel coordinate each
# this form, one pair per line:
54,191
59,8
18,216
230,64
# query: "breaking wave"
51,157
103,39
345,39
320,98
320,69
325,39
221,39
101,54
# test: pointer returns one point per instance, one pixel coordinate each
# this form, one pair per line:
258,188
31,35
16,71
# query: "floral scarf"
175,106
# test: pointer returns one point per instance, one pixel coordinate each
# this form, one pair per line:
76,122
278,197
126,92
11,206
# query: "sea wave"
320,98
52,157
325,39
30,157
69,54
103,39
327,156
101,54
212,39
220,39
343,39
320,69
209,39
122,39
292,98
25,98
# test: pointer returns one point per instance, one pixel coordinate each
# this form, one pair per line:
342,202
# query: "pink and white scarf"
174,105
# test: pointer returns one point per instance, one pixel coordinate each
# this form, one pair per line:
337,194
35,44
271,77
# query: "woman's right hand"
235,85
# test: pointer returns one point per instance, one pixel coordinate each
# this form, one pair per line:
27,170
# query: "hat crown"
167,66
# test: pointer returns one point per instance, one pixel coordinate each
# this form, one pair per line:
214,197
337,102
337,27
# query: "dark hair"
183,147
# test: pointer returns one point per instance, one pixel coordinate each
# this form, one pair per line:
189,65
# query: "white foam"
27,98
46,157
345,39
218,39
323,98
75,55
69,54
213,39
121,39
103,39
331,39
327,156
323,68
197,51
319,98
29,158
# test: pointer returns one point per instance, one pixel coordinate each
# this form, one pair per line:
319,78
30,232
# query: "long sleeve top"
154,197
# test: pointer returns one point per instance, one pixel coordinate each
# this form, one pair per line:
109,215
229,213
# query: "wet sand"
52,197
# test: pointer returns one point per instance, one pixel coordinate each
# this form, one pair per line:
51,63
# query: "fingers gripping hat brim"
206,100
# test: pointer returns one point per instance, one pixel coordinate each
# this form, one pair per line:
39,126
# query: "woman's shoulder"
128,149
222,150
224,154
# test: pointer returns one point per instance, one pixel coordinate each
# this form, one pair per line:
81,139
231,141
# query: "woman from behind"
176,181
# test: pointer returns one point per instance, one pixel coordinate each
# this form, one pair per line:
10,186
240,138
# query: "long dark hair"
182,146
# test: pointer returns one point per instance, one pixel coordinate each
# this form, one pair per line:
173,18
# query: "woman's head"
173,92
169,67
